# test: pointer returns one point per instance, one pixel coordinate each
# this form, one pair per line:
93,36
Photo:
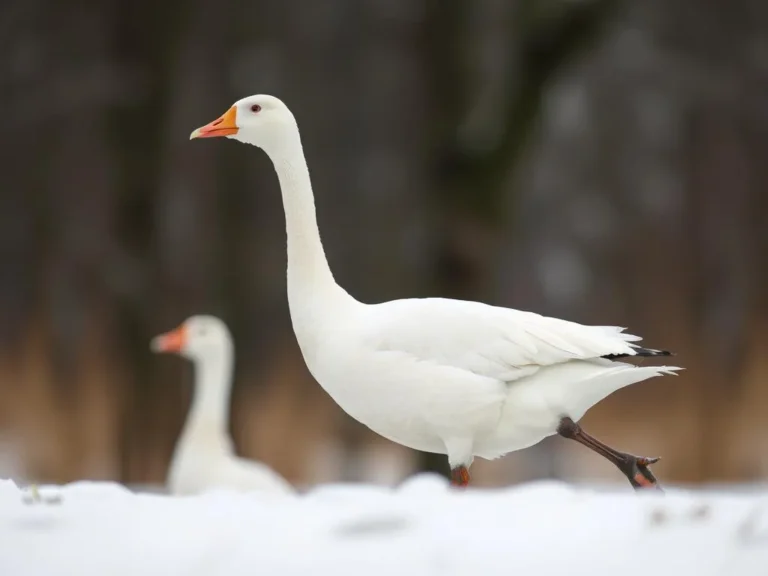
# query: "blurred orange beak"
225,125
173,341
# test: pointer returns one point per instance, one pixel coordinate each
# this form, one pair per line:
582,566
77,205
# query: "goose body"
463,378
204,457
439,375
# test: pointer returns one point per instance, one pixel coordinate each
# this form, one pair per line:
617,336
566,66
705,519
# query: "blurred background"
598,160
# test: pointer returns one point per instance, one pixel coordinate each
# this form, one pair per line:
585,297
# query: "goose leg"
635,468
460,476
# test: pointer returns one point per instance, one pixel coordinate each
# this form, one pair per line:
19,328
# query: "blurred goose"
204,457
453,377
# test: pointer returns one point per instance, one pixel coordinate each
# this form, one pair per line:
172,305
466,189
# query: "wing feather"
495,342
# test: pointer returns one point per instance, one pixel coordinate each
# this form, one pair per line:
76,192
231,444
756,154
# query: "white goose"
452,377
204,457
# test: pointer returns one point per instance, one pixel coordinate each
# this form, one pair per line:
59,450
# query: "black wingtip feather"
640,352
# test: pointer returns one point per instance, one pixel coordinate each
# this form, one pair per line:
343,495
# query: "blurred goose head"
197,338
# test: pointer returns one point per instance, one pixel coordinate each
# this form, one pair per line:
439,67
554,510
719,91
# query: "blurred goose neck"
209,413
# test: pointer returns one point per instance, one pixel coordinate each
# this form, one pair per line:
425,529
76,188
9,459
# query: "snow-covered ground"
420,528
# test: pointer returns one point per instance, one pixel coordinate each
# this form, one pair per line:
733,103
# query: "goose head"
197,338
260,120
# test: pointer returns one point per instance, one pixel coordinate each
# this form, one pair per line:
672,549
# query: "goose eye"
255,108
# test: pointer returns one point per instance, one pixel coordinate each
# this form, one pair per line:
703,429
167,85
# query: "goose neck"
308,267
209,413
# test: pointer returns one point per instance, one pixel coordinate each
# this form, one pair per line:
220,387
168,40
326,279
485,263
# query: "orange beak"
173,341
225,125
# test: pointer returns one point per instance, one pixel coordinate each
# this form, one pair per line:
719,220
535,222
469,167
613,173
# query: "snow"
420,528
